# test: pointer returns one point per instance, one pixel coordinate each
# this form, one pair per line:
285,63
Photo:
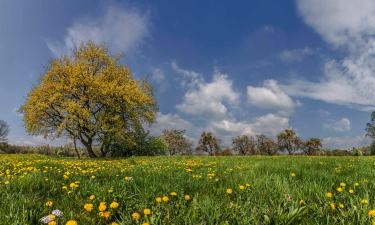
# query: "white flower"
45,219
57,213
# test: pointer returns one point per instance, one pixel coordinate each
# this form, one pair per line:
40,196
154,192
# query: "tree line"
287,142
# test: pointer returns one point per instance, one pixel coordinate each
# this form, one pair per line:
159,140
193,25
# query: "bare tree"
177,142
287,140
312,146
208,143
244,145
266,145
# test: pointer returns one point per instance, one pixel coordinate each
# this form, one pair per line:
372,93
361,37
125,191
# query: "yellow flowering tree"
88,96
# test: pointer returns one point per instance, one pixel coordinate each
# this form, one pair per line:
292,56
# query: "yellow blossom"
114,205
49,203
102,206
92,197
88,207
371,212
187,197
173,193
165,199
329,195
71,222
147,212
229,191
136,216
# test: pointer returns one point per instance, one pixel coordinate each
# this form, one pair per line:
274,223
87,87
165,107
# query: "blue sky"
245,68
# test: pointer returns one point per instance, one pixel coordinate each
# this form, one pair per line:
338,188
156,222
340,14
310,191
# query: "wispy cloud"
122,29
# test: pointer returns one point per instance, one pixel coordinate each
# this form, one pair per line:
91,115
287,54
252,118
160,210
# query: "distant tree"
266,145
312,146
208,143
88,96
4,130
244,145
287,140
370,132
177,142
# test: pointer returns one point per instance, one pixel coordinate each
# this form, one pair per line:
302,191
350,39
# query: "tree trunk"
75,147
88,145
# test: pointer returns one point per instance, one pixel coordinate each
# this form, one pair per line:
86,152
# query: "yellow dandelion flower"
88,207
71,222
371,212
187,197
341,205
102,206
136,216
165,199
92,197
105,214
339,189
293,174
147,211
114,205
49,203
173,193
332,205
329,195
342,184
242,187
351,191
229,191
145,223
364,201
52,223
158,199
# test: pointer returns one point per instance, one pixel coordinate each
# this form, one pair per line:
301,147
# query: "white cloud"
270,96
190,78
346,142
340,125
269,124
350,26
121,29
295,55
157,75
207,99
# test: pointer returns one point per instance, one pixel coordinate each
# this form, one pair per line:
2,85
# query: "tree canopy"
88,96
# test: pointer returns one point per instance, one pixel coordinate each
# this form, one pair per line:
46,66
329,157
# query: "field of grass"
187,190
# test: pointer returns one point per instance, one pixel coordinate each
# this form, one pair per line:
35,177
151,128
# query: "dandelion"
136,216
147,212
52,223
165,199
242,187
341,205
114,205
158,199
102,206
105,215
88,207
356,184
71,222
329,195
114,223
92,197
173,193
364,201
293,174
339,189
229,191
302,202
351,191
145,223
342,184
332,205
371,212
49,203
187,197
